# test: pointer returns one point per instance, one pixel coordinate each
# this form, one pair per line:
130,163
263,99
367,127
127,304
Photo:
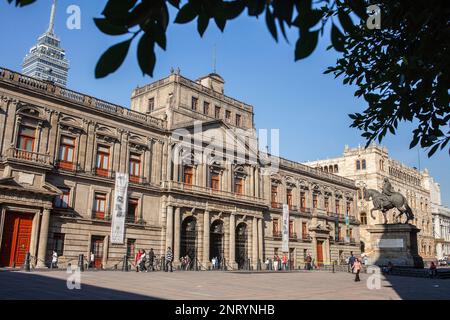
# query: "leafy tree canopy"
401,69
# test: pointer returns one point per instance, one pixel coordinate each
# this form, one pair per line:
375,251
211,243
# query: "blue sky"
308,107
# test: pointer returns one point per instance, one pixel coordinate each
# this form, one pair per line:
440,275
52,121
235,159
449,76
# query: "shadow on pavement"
33,286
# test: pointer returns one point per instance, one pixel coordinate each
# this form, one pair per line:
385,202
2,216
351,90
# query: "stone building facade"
368,167
60,151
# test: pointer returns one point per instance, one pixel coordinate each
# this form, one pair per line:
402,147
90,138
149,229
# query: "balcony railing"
180,186
306,238
293,208
305,210
277,234
65,165
138,179
100,216
293,235
14,153
103,173
276,205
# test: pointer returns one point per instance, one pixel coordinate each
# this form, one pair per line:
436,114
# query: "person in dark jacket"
351,261
169,259
151,259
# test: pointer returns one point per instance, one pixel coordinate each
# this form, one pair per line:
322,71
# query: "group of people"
142,258
355,266
279,263
185,262
215,263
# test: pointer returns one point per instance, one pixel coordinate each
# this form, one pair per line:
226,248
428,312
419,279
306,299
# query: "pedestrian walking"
284,260
433,270
137,260
169,259
54,260
151,259
357,267
351,261
276,262
92,260
308,262
142,261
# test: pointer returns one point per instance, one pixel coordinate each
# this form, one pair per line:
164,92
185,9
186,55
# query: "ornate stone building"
60,151
368,167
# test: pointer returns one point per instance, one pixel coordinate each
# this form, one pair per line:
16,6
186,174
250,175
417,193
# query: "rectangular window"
349,208
58,243
276,227
302,201
99,206
102,161
135,167
66,153
238,120
238,185
217,112
206,108
215,181
304,230
62,201
274,196
358,165
151,104
26,138
363,164
131,245
327,204
194,104
289,198
291,229
337,204
314,200
188,175
132,210
227,116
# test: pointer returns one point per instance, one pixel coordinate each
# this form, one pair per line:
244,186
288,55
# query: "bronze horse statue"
384,203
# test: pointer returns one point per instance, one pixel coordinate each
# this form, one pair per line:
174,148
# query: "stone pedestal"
395,243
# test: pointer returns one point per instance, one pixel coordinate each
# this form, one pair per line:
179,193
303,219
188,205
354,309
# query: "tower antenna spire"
214,59
51,23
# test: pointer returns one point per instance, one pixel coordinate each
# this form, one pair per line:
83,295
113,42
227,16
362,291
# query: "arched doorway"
216,243
241,245
188,245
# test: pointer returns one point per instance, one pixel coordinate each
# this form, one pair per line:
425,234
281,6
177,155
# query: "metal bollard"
248,265
270,265
125,263
27,262
163,263
81,262
258,266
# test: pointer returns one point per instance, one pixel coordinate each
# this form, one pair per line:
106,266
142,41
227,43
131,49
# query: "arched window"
363,218
358,165
336,168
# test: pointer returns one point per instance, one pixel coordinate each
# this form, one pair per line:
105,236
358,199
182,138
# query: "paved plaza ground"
216,285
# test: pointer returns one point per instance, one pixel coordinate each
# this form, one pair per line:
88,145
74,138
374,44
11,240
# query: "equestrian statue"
387,200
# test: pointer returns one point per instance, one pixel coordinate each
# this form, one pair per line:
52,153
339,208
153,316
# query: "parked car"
443,262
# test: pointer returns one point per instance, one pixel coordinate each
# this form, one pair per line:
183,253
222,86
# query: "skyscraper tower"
47,60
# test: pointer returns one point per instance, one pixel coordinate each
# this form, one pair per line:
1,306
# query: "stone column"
254,242
177,234
260,239
105,252
43,237
206,238
34,234
169,227
232,239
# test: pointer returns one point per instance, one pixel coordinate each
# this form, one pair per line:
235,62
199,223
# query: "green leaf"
337,39
175,3
433,150
220,23
118,8
346,21
112,59
306,44
146,54
186,14
107,27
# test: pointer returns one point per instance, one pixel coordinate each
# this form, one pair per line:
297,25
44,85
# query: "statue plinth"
395,243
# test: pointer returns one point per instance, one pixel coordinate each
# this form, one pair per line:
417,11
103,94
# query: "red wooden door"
319,253
16,239
97,250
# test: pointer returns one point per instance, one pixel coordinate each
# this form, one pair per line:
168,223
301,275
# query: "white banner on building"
285,229
120,208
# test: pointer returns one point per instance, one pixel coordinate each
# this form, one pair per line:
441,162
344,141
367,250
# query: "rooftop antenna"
214,58
51,23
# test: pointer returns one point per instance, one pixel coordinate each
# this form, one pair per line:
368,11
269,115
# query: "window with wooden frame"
66,153
291,229
276,227
358,165
227,116
274,196
238,185
338,206
62,200
327,204
135,167
302,201
289,198
132,210
304,230
188,175
151,104
26,138
349,208
103,157
99,205
215,181
363,164
315,197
